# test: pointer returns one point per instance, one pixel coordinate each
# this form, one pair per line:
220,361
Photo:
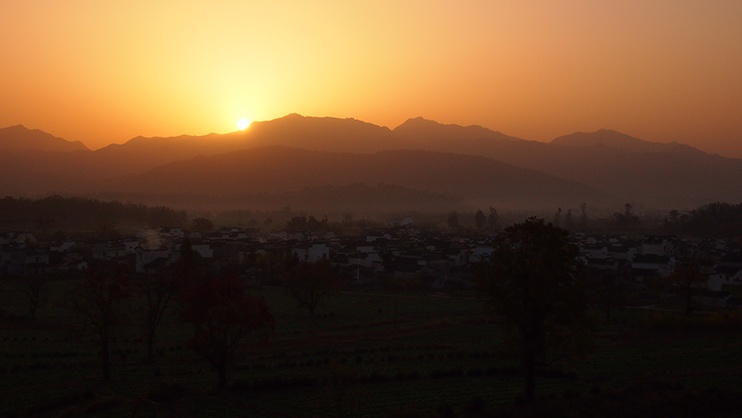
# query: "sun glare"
242,124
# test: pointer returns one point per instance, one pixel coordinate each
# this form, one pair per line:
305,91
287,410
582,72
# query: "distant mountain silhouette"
323,134
282,169
614,139
609,163
20,138
423,131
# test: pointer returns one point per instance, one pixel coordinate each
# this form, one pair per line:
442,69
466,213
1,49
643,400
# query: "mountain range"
421,160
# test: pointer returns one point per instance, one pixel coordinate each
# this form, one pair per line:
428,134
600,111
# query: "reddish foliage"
223,315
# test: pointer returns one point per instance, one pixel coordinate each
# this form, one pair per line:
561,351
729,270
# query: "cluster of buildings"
400,255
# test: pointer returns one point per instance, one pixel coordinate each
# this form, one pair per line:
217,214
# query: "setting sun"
242,124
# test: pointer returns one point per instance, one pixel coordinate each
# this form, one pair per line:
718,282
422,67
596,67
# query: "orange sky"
661,70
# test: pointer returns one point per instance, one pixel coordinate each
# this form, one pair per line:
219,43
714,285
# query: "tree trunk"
150,345
222,376
533,351
689,301
530,375
106,358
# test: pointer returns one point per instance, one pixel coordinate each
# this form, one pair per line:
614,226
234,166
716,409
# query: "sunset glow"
102,72
243,124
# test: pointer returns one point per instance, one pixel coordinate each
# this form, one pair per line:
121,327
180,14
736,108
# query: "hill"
20,138
282,169
647,174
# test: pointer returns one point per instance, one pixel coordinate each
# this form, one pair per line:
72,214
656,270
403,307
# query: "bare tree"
35,290
223,315
310,283
98,301
158,291
480,220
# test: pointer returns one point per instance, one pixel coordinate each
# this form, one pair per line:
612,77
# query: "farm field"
364,354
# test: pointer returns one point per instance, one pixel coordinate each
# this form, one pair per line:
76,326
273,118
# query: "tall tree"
310,283
223,315
480,220
98,302
558,217
453,220
583,216
535,283
492,219
34,288
202,225
690,272
158,289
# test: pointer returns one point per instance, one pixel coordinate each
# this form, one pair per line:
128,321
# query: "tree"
223,315
535,283
569,221
98,300
583,216
492,219
558,217
202,225
689,272
158,290
34,288
310,283
627,219
480,220
607,289
453,220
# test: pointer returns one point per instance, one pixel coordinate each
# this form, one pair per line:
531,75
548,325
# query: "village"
400,257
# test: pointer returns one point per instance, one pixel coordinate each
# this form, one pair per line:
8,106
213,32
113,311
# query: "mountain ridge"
616,164
20,138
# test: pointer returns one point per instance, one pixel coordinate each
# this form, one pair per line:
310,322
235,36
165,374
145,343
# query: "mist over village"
233,209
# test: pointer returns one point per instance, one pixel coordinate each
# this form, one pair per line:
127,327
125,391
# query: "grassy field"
365,354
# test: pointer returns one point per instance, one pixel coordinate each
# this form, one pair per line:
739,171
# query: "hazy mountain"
20,138
661,175
324,134
424,132
614,139
280,169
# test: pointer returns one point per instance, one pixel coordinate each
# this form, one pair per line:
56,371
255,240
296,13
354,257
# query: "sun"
243,124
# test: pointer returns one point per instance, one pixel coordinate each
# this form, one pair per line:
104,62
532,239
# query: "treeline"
711,220
57,212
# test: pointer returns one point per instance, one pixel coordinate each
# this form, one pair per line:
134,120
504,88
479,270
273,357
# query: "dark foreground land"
369,354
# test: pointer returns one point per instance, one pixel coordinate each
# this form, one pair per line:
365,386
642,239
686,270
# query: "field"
365,354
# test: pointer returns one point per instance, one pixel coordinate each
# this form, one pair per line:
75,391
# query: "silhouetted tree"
223,315
480,220
607,290
44,221
35,289
583,216
627,219
534,281
347,218
98,302
558,217
273,266
569,221
688,274
158,290
202,225
492,219
453,220
310,283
